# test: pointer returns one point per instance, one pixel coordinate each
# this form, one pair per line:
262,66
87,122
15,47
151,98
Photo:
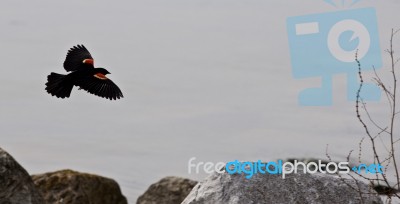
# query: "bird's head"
102,71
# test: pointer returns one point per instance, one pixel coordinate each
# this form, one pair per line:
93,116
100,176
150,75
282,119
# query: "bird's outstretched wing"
100,85
78,58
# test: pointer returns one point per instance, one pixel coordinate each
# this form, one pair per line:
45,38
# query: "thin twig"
358,98
394,108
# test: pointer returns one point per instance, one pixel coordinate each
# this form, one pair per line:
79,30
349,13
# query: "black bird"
83,74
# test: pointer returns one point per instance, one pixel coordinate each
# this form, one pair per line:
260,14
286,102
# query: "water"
204,79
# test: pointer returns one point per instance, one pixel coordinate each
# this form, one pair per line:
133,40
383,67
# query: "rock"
16,186
169,190
67,186
267,188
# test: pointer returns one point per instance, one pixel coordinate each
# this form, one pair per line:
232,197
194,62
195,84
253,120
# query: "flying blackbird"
83,74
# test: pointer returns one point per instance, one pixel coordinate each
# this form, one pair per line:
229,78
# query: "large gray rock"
266,188
67,186
169,190
16,186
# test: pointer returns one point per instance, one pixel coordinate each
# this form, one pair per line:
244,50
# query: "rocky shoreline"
64,186
72,187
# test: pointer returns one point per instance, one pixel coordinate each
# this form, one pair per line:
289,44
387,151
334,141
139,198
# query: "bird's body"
83,74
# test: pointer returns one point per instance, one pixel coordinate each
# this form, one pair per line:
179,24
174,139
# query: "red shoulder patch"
88,61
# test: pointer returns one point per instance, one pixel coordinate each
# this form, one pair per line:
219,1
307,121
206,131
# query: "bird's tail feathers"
57,85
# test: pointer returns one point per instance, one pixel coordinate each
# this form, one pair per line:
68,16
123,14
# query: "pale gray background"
201,78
